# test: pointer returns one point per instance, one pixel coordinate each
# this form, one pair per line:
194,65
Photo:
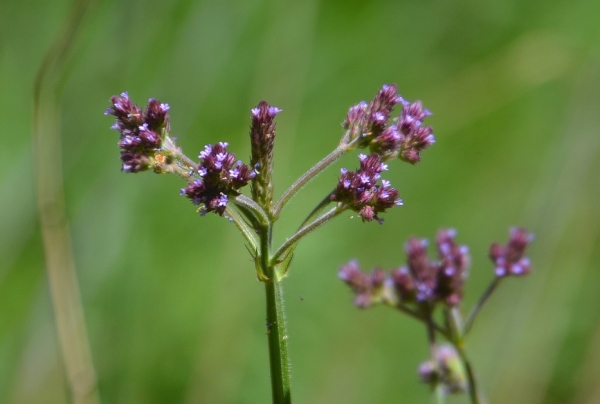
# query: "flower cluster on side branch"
425,280
368,126
421,280
141,132
360,191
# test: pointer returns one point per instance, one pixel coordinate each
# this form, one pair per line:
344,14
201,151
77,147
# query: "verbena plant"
419,289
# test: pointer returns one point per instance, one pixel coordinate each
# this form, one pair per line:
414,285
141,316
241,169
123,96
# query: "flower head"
453,267
510,260
221,177
141,132
369,126
367,288
425,280
414,136
360,192
368,121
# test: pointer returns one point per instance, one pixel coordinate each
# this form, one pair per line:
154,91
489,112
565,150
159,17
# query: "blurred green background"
173,309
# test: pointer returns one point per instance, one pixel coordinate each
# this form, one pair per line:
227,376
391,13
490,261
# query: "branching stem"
305,230
243,227
306,177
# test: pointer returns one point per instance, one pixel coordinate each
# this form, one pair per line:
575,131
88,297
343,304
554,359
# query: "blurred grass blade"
58,253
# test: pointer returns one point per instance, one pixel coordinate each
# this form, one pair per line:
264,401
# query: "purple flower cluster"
367,288
368,121
414,137
406,139
359,191
510,259
425,280
421,281
222,176
141,132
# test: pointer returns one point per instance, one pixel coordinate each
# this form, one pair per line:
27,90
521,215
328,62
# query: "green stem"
306,177
431,328
170,146
304,231
455,323
247,205
243,227
440,394
418,316
458,331
473,390
318,209
484,297
278,348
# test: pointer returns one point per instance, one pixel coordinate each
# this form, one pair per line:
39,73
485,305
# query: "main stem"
278,348
276,327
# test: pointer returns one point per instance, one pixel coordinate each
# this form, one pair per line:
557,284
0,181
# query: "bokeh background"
173,308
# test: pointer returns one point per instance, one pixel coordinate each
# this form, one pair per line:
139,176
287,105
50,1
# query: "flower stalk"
312,173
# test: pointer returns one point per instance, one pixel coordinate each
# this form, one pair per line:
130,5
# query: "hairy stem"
243,227
304,231
278,348
247,205
276,327
170,146
306,177
318,209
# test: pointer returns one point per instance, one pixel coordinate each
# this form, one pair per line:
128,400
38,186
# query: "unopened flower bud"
262,139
